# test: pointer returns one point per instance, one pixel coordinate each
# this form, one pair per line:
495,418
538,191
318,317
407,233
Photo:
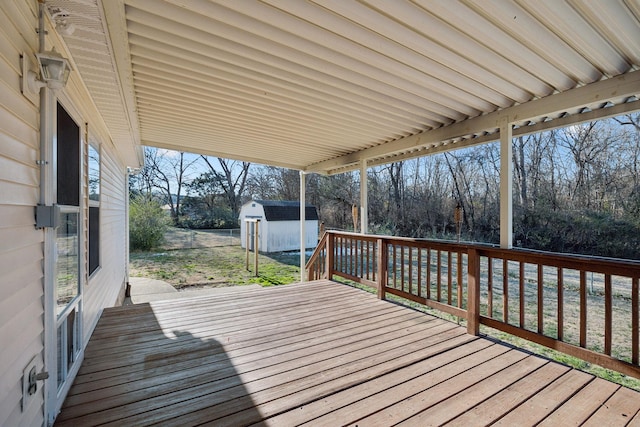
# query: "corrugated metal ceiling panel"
298,83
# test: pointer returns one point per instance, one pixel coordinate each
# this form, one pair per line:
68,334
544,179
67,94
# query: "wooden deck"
319,354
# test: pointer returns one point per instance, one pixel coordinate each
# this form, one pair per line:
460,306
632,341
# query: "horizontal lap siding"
21,277
107,282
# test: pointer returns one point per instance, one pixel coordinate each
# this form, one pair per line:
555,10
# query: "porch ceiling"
320,85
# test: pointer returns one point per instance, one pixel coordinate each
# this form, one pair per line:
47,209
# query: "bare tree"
232,179
168,173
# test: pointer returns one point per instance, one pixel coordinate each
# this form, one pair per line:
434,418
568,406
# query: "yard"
203,259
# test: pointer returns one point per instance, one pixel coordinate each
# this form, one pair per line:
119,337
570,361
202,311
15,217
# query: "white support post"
303,231
364,198
506,184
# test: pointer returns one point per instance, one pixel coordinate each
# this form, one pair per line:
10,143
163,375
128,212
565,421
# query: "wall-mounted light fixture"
54,72
61,18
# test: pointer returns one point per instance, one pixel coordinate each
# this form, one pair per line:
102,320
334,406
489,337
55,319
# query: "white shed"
279,228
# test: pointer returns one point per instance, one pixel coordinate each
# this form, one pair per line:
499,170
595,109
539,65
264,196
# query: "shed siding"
276,234
250,211
21,291
285,235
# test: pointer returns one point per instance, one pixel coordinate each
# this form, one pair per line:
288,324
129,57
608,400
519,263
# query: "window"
68,196
68,244
94,208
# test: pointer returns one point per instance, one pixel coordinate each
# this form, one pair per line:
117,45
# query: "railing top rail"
400,240
360,236
615,266
316,252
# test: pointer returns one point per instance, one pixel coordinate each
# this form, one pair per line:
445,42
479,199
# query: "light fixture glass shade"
54,69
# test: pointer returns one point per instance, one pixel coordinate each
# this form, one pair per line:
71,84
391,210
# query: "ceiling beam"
221,154
603,113
615,88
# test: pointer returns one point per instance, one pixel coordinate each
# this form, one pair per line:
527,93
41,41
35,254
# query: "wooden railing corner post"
473,292
382,262
329,247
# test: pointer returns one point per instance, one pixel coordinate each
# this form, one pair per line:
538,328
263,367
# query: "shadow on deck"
325,354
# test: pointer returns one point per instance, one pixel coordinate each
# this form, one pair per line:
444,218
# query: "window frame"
94,246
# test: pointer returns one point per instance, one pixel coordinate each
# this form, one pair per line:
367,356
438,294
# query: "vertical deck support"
473,282
506,184
247,243
382,262
364,198
303,220
256,247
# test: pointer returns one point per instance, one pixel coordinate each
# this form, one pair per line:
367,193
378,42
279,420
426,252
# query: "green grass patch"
214,267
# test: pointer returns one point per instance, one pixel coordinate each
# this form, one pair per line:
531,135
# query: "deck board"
318,353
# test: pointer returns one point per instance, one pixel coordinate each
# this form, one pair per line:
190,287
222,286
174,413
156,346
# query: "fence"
584,306
182,238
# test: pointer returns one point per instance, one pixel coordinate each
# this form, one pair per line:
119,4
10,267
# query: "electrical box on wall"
30,378
47,216
29,384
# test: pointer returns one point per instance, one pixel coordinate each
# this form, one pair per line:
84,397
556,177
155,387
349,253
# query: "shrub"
147,223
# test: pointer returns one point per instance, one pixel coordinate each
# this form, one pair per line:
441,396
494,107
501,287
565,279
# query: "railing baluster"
473,283
522,295
608,314
331,255
449,277
339,253
635,321
428,273
560,304
439,272
374,271
351,258
410,270
395,267
583,308
540,299
383,264
402,267
505,290
360,252
459,271
419,272
343,254
490,287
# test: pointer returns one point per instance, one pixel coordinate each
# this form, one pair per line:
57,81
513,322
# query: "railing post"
329,245
473,292
256,249
247,241
382,268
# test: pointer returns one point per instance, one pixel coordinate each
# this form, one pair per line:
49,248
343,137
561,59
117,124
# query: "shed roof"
283,210
323,85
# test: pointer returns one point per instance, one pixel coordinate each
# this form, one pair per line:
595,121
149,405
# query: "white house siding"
106,286
21,273
21,244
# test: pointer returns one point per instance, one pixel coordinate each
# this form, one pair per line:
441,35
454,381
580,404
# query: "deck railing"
583,306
